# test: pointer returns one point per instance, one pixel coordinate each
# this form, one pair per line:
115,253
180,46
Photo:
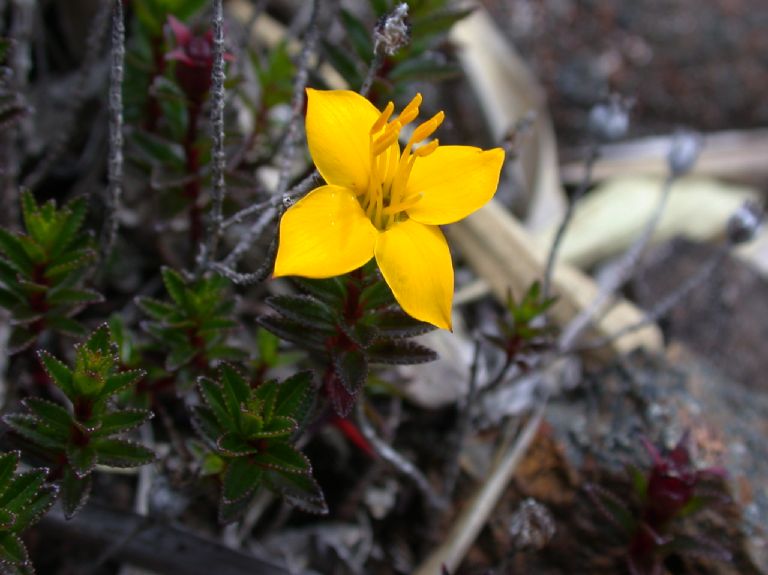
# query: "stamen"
383,118
388,138
426,129
410,112
406,204
427,149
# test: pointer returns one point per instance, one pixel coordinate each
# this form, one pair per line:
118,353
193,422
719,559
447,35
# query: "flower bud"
393,31
685,150
610,120
744,223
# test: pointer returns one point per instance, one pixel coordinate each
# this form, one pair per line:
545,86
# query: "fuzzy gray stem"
623,272
115,162
218,156
594,153
288,149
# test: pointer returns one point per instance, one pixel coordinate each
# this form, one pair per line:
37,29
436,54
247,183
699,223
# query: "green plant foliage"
348,323
41,271
251,430
192,328
24,499
88,430
152,14
524,331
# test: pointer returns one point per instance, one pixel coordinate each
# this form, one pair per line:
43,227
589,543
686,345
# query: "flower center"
386,200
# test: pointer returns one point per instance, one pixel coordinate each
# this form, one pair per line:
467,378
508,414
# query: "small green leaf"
122,453
29,428
74,492
82,459
351,368
159,310
24,488
300,490
12,552
400,353
294,396
240,479
9,461
73,296
206,425
396,324
283,457
36,507
51,414
7,520
331,291
13,248
304,310
175,286
59,373
213,396
295,332
121,421
120,381
268,345
234,445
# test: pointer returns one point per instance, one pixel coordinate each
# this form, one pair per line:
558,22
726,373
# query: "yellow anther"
427,149
426,129
383,118
388,138
410,112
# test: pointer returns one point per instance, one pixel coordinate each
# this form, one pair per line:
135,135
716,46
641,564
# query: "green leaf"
9,461
12,551
377,295
13,248
66,325
73,296
51,414
400,353
119,381
396,324
214,398
176,287
42,501
295,332
234,390
300,490
304,310
159,310
74,492
294,396
331,291
7,519
343,63
24,488
82,459
206,425
240,479
351,368
122,421
122,453
29,428
235,445
268,345
284,457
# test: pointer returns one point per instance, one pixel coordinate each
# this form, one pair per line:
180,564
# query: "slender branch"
373,70
622,272
115,162
218,157
400,463
589,164
288,149
59,142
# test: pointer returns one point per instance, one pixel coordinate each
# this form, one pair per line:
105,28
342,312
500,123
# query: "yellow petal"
338,126
416,263
324,234
453,181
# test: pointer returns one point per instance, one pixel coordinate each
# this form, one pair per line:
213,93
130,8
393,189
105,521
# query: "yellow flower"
383,202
